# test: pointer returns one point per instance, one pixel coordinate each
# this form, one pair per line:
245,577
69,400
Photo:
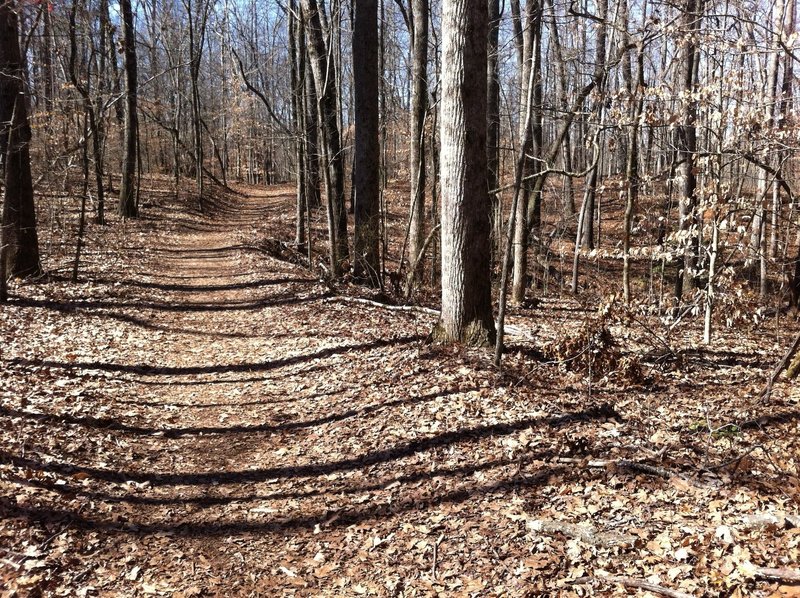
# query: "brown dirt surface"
197,417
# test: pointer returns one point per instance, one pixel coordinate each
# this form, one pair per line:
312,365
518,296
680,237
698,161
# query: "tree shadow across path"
386,455
323,479
197,370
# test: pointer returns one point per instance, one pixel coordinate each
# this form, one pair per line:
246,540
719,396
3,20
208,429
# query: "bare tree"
686,143
327,103
298,73
366,181
128,207
466,282
419,102
20,243
197,20
92,109
493,116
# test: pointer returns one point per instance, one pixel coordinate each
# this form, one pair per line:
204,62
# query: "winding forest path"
195,418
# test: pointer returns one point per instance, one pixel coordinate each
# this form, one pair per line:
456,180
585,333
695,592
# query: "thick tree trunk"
466,314
366,180
127,189
20,243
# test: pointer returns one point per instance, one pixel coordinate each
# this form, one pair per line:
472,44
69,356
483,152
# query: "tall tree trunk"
687,148
531,77
127,189
419,103
786,104
327,106
366,180
197,130
493,123
311,138
20,243
297,57
522,158
562,84
47,60
466,314
635,89
92,109
590,194
769,189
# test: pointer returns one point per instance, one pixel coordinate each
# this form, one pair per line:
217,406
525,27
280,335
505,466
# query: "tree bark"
297,57
127,189
493,123
590,193
93,109
419,103
562,84
20,242
466,282
635,91
366,181
531,78
687,148
327,109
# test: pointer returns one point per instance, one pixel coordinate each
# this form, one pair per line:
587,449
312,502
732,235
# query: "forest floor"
197,417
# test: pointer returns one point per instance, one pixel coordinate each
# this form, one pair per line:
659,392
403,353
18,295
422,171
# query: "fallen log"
785,575
515,331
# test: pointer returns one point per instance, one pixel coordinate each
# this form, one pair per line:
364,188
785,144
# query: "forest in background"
658,136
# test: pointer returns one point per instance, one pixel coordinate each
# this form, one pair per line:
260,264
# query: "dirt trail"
215,412
196,419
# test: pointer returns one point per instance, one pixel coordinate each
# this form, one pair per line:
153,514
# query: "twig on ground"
635,583
436,555
585,532
735,461
621,464
767,392
53,536
407,308
511,330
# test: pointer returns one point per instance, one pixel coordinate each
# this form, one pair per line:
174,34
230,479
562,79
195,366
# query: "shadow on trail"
207,288
287,472
108,423
270,401
151,370
409,496
415,499
424,474
224,306
344,517
217,381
